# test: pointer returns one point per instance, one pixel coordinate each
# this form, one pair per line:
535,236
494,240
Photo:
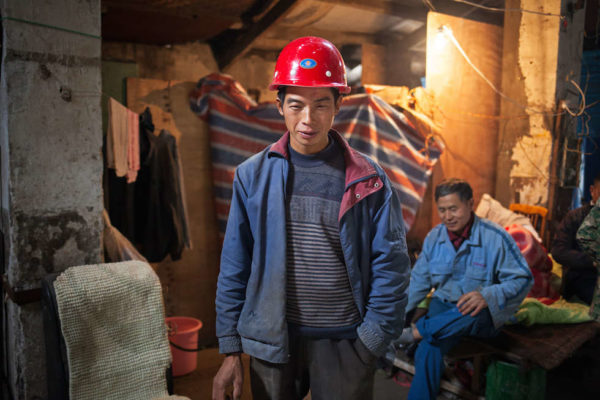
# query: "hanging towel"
117,137
112,320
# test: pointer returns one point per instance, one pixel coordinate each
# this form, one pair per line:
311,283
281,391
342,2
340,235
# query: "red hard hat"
310,61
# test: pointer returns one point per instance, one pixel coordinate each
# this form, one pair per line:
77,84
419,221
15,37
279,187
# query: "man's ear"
338,104
471,202
279,106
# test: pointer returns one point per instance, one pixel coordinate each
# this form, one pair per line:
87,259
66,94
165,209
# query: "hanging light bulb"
441,39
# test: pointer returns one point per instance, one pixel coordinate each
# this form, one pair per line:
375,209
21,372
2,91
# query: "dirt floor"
198,384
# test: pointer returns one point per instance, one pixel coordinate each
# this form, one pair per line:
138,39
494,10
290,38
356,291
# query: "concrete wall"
187,62
190,62
51,141
539,59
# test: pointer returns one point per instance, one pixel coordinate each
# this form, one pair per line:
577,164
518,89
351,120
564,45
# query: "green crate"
506,381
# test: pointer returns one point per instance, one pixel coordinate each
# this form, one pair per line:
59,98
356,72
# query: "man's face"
595,191
454,212
308,114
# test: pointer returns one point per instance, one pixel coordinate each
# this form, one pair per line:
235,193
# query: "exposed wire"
59,28
448,32
508,9
581,105
592,104
429,5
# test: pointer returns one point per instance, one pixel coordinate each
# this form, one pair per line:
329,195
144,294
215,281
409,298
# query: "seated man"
579,274
479,276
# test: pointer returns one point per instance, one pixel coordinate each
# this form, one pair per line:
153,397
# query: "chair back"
536,214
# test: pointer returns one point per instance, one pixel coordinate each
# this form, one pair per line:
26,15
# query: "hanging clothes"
151,212
122,144
133,148
117,137
161,217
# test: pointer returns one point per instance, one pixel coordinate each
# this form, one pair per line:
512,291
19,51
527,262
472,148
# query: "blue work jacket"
488,261
251,289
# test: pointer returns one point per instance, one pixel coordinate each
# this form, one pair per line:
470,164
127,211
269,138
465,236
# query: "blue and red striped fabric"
240,128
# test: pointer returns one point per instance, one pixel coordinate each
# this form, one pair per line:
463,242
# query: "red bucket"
183,338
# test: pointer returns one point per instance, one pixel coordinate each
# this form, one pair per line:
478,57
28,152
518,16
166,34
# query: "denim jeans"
442,328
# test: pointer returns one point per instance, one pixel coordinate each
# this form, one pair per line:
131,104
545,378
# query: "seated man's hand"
472,302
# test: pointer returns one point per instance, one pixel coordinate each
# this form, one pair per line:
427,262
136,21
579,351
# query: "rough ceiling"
234,27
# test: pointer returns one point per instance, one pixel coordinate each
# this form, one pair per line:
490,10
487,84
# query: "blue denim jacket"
488,261
251,293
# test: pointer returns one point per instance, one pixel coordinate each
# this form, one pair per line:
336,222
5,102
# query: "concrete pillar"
373,64
541,54
51,163
467,105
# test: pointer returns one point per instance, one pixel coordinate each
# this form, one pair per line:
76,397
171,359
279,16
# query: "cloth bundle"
539,263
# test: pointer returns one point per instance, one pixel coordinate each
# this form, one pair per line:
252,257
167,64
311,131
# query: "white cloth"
491,209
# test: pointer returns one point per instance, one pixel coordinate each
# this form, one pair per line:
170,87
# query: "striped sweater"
319,296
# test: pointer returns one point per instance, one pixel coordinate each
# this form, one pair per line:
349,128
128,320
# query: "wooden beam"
184,11
462,10
415,39
336,37
232,44
418,37
389,7
419,13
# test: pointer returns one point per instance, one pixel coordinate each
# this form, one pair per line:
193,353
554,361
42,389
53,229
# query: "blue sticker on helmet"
308,63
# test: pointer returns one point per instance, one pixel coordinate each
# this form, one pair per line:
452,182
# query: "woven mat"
112,320
547,345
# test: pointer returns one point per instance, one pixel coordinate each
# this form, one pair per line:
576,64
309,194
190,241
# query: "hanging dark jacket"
161,226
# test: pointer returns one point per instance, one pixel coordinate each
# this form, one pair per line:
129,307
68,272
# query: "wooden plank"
374,70
232,44
189,284
419,12
415,41
283,35
389,7
185,9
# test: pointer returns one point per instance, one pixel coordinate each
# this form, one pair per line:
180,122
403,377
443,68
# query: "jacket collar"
357,166
474,238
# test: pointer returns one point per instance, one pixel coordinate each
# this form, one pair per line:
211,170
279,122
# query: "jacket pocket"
475,276
440,272
477,270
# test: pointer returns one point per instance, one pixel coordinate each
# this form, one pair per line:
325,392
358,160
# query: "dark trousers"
331,368
580,284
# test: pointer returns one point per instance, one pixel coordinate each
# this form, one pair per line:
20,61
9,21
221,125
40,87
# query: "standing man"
479,276
579,273
588,237
314,268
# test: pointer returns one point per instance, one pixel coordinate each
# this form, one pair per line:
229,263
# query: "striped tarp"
240,128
